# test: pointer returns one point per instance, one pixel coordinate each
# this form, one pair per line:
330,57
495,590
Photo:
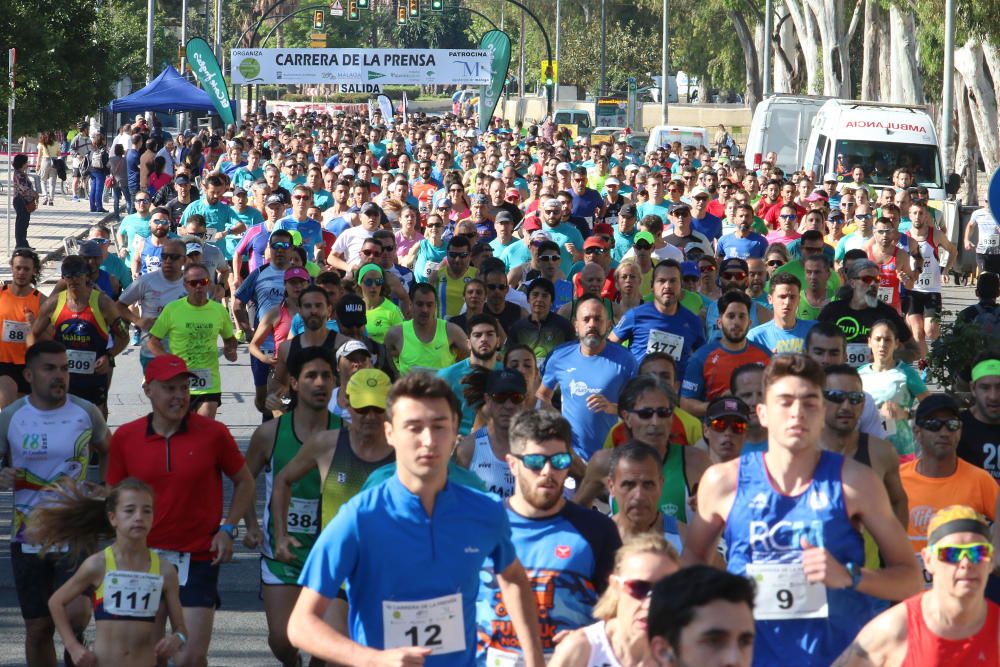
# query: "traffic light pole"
284,18
548,50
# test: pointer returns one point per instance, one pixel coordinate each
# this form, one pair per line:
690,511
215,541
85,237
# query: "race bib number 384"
436,624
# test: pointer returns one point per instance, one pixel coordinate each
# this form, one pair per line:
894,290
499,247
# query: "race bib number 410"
436,624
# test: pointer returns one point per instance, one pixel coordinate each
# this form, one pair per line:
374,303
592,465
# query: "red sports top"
926,649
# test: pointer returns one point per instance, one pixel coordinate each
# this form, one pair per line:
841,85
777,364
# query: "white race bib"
885,294
498,658
201,379
82,361
783,592
858,354
37,548
430,267
663,341
180,560
132,593
303,516
990,242
15,332
923,280
436,624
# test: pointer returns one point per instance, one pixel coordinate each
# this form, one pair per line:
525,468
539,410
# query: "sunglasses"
735,424
101,241
734,275
838,396
171,256
548,258
706,268
643,246
637,589
790,216
371,253
160,221
281,245
198,282
372,282
76,274
866,216
301,197
368,410
595,251
936,425
142,200
647,413
867,280
954,553
536,462
496,287
509,397
457,255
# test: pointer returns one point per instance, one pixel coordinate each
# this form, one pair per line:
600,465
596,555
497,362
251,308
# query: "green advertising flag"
498,44
206,69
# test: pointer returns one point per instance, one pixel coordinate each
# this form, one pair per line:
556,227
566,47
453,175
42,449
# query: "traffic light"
401,12
437,5
414,9
362,4
548,75
352,10
318,19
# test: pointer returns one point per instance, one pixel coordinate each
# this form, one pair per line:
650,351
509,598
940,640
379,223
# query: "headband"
368,268
959,526
985,368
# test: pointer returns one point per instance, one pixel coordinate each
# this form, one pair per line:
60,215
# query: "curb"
57,254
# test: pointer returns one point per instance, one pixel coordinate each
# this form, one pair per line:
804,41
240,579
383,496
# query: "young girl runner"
128,579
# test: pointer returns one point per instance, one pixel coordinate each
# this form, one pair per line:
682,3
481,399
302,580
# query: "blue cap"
690,270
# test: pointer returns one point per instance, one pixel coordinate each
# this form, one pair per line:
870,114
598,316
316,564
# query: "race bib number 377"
436,624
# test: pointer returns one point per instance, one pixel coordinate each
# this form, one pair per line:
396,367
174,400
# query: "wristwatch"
230,529
854,570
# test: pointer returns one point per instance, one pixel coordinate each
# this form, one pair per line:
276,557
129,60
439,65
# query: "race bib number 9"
430,267
15,332
201,379
437,624
858,354
783,592
303,516
132,593
663,341
81,361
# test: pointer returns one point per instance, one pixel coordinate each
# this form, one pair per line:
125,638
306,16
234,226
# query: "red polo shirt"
185,471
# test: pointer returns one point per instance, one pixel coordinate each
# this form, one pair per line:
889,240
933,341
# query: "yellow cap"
368,388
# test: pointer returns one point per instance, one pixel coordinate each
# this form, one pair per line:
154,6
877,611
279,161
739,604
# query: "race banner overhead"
382,66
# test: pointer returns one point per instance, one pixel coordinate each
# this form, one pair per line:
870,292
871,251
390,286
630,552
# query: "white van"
879,137
782,123
664,135
578,117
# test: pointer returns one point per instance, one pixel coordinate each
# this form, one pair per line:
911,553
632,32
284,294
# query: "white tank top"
929,279
496,474
601,654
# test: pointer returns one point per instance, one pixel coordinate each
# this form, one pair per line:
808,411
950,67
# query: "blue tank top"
104,283
765,526
149,258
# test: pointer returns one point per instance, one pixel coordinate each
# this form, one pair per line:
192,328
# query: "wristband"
855,571
184,639
229,529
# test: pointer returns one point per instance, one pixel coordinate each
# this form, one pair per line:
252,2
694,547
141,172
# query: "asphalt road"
240,631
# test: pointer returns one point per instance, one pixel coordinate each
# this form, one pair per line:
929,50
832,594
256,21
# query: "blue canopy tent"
167,93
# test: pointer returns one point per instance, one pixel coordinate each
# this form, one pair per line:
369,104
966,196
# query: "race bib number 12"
436,624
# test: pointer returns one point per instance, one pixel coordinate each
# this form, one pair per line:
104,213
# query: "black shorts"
260,371
927,304
989,263
202,587
198,399
95,392
16,373
36,579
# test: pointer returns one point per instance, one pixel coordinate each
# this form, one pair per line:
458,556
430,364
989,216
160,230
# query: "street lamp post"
604,46
555,79
665,65
150,13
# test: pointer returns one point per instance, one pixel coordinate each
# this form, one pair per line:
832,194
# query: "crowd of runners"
523,400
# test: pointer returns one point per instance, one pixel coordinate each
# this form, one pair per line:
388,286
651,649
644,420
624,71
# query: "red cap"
604,228
166,367
512,195
595,241
531,223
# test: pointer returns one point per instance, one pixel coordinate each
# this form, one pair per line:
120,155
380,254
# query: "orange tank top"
15,327
926,649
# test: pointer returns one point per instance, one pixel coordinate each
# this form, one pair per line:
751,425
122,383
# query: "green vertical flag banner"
206,69
498,44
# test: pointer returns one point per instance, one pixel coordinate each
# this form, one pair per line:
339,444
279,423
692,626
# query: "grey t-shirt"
152,291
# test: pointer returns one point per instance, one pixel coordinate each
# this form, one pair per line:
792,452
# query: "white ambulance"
879,137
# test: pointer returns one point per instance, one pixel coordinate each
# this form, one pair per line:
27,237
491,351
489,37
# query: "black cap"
182,180
734,263
504,216
727,406
351,311
506,381
371,208
629,211
936,402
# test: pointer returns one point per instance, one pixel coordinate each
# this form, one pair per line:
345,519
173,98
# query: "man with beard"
338,460
636,484
710,367
218,216
273,445
484,343
564,548
485,451
426,342
980,442
756,281
146,252
744,242
844,403
856,314
590,374
19,303
662,326
314,308
734,273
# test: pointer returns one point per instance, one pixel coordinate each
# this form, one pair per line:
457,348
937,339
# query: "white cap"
563,166
612,181
539,235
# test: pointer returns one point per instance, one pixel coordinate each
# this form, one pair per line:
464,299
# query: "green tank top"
303,508
416,354
673,498
347,474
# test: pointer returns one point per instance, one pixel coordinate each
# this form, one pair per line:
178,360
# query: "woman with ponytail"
128,579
